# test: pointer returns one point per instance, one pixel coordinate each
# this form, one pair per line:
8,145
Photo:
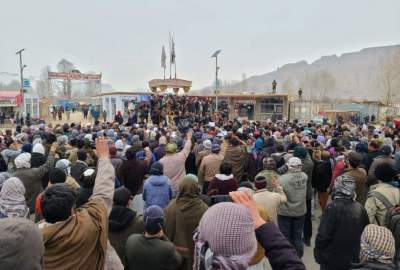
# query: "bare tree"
13,85
389,76
43,85
66,66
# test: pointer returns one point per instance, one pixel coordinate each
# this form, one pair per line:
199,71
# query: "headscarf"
38,148
63,139
188,194
294,164
65,165
12,199
344,187
377,244
225,238
171,148
23,160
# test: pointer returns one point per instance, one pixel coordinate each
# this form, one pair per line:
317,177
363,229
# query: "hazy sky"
123,38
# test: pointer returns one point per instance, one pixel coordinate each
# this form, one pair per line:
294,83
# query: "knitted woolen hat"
207,144
215,148
229,230
377,244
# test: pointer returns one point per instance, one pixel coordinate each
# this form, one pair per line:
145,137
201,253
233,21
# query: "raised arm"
186,149
104,183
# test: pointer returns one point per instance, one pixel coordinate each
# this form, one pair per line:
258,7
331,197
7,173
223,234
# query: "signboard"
74,76
26,84
8,102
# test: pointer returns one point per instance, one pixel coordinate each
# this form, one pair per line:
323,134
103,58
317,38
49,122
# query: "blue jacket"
157,191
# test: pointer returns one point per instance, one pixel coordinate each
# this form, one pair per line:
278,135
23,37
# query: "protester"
268,173
322,177
385,157
80,165
123,222
236,154
223,182
182,217
210,165
291,214
355,170
383,195
152,250
157,188
337,244
78,240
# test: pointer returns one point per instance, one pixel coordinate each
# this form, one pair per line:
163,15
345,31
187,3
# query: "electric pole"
21,70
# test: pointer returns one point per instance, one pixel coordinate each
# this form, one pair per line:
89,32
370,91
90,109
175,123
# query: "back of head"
21,244
57,176
385,172
130,153
81,154
355,159
88,178
157,168
23,161
238,241
300,152
386,150
153,218
225,168
57,202
377,245
122,195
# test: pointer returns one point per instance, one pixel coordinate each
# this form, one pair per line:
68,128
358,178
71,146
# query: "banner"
74,76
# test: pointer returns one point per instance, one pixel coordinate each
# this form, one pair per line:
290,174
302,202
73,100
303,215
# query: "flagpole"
170,55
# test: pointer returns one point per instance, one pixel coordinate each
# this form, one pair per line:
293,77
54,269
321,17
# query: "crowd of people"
183,188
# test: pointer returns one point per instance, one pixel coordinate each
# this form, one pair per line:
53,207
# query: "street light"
21,70
215,55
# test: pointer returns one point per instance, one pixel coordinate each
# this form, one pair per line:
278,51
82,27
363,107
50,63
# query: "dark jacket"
32,180
131,174
122,223
77,169
369,157
84,194
308,168
360,178
322,175
144,253
222,184
337,244
278,250
160,151
374,266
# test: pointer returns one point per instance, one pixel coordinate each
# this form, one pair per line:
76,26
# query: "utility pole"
215,55
21,70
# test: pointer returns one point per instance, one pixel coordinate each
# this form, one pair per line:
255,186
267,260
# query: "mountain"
370,74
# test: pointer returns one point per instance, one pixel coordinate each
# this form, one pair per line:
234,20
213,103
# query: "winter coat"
295,187
360,177
322,175
157,191
174,165
131,174
375,208
122,223
270,201
32,180
269,176
397,160
337,243
278,250
237,156
201,155
182,217
210,164
371,179
80,242
222,184
160,151
308,168
116,162
144,253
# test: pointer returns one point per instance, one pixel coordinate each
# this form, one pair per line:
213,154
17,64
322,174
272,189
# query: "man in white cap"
291,213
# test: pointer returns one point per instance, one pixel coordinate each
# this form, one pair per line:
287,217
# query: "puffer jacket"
337,243
157,191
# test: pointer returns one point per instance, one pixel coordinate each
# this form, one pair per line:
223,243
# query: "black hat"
385,172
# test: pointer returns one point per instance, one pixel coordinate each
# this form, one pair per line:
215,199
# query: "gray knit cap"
229,230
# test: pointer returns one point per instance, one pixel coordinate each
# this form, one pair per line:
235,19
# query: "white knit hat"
23,161
38,148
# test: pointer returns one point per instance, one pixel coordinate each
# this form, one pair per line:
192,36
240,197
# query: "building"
10,103
114,102
257,107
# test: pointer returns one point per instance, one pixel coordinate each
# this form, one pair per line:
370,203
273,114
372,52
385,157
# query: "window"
35,108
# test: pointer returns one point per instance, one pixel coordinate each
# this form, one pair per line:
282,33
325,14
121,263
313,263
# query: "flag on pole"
163,58
173,51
